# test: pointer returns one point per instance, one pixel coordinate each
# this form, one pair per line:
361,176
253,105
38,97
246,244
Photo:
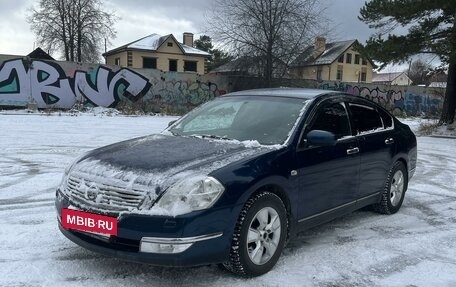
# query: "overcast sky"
139,18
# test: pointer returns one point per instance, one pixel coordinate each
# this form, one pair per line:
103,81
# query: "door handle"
389,141
352,151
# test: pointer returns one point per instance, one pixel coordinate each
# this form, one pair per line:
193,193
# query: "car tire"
259,236
394,191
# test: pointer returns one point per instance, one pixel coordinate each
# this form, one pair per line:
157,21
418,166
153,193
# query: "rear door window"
366,119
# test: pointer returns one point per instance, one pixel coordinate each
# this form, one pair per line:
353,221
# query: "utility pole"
408,73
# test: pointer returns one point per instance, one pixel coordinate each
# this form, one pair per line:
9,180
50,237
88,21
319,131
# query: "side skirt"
333,213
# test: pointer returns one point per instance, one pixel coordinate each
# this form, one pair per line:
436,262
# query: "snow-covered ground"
415,247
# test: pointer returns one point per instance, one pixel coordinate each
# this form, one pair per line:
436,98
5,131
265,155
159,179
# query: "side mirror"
171,123
320,138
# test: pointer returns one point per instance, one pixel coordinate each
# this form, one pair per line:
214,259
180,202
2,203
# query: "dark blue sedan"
233,180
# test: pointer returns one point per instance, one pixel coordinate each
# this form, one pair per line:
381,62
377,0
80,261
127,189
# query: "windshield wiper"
212,137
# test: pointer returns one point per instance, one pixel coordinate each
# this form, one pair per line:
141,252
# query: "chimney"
188,39
319,46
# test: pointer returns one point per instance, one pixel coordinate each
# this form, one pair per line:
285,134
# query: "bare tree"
76,28
272,31
420,72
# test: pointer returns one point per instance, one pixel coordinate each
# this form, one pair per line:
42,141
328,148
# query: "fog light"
172,245
153,247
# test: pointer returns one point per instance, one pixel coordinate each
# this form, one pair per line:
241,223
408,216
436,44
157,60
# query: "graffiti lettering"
46,84
397,99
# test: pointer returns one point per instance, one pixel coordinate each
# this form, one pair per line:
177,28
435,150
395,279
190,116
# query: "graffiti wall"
410,100
63,84
46,83
54,84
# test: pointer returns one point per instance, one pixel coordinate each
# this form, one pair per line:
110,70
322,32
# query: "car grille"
110,197
100,187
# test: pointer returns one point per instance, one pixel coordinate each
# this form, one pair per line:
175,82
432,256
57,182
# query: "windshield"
267,120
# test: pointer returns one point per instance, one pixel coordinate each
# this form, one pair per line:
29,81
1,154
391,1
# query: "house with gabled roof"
395,79
160,52
343,61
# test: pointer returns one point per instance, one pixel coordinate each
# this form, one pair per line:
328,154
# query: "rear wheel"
394,191
259,235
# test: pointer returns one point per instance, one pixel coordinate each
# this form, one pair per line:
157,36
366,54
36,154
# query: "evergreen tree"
431,30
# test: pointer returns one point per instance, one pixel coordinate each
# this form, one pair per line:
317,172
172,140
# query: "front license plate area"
89,222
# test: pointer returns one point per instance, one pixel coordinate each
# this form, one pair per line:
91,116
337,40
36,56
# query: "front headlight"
190,194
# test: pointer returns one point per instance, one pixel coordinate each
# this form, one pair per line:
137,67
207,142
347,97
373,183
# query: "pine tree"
431,28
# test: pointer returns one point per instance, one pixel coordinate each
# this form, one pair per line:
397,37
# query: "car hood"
162,153
147,166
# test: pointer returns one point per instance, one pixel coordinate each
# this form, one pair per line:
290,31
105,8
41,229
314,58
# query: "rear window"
386,118
366,119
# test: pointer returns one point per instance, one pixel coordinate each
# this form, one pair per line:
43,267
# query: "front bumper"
208,234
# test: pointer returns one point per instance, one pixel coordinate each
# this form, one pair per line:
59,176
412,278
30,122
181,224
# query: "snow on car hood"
129,176
160,153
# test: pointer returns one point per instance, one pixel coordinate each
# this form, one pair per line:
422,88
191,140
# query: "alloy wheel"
263,236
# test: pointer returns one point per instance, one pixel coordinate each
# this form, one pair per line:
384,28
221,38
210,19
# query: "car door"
376,144
327,175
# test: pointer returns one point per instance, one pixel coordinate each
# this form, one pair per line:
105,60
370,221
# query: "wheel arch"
404,161
280,187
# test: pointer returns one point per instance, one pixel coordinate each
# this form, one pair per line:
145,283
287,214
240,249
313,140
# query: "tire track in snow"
32,169
26,206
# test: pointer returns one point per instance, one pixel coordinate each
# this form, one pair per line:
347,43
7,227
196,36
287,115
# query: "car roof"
300,93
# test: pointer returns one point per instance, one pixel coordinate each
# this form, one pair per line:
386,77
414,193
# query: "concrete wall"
411,100
63,84
53,84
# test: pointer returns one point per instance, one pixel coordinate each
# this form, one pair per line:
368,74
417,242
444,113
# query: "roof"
330,54
386,77
237,65
38,53
250,64
153,42
283,92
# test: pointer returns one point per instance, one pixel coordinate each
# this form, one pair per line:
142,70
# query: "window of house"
357,58
349,58
117,62
190,66
341,59
364,62
366,119
340,71
149,63
173,65
170,44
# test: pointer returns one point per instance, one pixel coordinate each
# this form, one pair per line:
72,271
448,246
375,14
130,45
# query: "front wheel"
394,191
259,235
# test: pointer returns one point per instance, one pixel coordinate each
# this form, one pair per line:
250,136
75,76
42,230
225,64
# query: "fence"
64,84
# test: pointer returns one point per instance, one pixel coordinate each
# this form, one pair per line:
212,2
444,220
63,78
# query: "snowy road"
416,247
